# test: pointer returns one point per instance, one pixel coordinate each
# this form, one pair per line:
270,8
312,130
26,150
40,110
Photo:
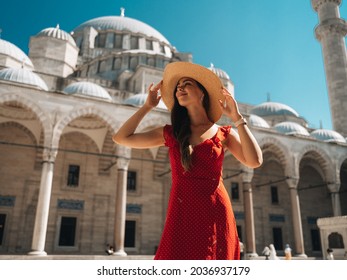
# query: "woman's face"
188,92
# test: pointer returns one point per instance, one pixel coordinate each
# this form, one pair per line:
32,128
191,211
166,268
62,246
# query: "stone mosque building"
66,188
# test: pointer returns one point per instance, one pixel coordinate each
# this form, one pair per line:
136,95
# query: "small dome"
57,33
257,121
22,76
327,135
139,99
219,72
11,50
87,89
273,108
122,23
291,128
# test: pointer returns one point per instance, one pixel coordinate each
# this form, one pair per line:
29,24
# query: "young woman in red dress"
200,222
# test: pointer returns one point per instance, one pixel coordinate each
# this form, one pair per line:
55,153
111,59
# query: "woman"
200,223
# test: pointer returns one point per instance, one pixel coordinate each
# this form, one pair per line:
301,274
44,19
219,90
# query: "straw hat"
174,71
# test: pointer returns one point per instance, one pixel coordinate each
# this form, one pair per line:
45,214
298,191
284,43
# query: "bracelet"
240,121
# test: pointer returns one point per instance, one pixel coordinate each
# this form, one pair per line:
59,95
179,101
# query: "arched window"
149,45
118,41
134,42
150,61
336,240
117,63
133,62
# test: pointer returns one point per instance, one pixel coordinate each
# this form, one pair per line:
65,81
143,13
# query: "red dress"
200,223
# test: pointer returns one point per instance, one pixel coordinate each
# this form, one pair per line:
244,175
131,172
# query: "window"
149,45
235,193
162,48
118,41
73,175
67,231
100,40
134,43
274,195
131,181
2,227
130,234
335,240
117,63
277,237
315,239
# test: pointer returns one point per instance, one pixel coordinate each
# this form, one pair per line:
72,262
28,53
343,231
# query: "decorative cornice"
332,26
316,4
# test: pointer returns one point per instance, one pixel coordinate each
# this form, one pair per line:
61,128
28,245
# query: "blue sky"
267,47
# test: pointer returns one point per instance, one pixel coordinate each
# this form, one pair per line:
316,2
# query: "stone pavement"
76,257
104,257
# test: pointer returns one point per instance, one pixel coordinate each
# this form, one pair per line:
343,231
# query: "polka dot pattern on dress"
200,223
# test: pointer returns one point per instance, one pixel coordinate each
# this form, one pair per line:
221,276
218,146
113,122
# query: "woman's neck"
198,117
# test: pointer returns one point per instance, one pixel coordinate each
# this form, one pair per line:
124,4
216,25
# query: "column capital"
49,155
333,187
123,157
246,174
316,4
332,26
292,182
123,163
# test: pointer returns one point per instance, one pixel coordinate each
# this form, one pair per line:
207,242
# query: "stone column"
121,196
335,198
250,244
331,32
42,209
296,218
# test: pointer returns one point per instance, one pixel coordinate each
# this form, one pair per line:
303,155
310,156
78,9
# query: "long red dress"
200,223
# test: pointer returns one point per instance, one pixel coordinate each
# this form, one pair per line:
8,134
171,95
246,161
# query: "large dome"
11,50
273,108
122,23
291,128
57,33
87,89
327,135
22,76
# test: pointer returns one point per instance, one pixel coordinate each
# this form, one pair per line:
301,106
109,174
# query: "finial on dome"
211,65
268,95
122,12
58,26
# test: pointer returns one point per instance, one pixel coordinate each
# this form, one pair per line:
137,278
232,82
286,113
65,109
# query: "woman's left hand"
229,106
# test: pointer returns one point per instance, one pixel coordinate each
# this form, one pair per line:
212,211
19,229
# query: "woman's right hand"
153,98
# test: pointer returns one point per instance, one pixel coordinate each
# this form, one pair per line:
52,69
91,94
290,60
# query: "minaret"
331,32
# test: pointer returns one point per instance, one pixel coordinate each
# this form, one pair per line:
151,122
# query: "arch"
273,145
324,161
38,111
336,240
62,123
20,126
340,160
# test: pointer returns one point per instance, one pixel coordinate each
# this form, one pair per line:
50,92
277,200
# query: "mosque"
66,188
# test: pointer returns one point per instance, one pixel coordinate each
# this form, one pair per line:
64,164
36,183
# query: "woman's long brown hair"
181,126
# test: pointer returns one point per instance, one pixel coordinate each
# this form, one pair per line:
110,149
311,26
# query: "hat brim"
175,71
